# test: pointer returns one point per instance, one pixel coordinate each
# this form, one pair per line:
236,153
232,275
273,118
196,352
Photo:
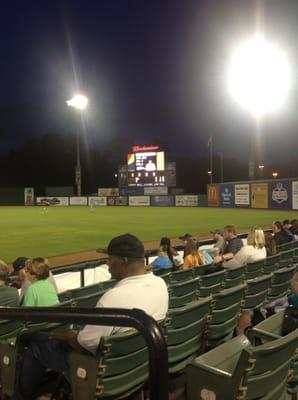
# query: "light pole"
261,169
210,175
78,102
258,78
275,175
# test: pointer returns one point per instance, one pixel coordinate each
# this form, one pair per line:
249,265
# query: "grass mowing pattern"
31,232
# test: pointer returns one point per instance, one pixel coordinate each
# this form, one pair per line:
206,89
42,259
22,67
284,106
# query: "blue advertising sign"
227,195
280,194
162,201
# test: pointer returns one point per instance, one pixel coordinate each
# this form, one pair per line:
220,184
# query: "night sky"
151,69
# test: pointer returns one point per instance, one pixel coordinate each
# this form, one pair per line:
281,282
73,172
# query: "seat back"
211,283
84,291
271,264
184,329
225,311
234,276
9,334
119,368
286,258
181,293
280,282
257,292
269,365
237,369
182,275
253,270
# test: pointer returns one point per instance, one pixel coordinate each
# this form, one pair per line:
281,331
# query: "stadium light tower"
258,79
78,102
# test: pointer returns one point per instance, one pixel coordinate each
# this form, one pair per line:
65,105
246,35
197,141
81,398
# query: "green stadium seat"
182,275
253,270
106,285
88,300
269,330
183,292
184,329
9,344
162,271
238,370
257,291
119,368
225,312
234,276
271,264
211,283
280,283
286,258
285,247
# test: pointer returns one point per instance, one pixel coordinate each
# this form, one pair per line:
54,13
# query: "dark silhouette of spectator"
270,244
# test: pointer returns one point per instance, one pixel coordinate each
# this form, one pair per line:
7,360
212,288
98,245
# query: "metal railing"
147,326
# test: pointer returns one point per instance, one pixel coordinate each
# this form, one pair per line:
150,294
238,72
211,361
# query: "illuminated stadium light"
258,77
79,102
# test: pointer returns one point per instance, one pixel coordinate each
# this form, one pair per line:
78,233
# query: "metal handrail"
138,319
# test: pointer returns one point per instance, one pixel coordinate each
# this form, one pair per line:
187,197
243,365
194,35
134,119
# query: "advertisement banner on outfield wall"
259,195
189,200
131,191
139,201
155,190
97,201
295,195
163,201
52,201
29,196
242,195
108,191
78,201
117,201
213,196
227,195
280,194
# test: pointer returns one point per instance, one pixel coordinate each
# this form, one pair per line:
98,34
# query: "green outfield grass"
30,231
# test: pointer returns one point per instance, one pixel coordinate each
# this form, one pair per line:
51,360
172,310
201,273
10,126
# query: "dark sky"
152,69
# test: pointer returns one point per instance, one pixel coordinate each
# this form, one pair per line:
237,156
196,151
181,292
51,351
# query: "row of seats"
239,370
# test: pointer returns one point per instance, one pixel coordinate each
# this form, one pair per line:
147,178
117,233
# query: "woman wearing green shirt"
41,292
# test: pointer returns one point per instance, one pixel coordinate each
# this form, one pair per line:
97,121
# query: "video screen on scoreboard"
149,161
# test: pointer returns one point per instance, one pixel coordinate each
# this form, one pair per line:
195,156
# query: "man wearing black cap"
136,289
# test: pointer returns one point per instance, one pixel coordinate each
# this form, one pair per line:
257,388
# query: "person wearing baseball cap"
136,288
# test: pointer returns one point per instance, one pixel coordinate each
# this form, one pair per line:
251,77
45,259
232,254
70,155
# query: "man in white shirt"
136,289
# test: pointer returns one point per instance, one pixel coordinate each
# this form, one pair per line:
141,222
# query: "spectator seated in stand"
40,293
270,244
219,245
233,245
280,235
254,250
286,226
9,296
294,228
21,281
136,289
192,257
293,297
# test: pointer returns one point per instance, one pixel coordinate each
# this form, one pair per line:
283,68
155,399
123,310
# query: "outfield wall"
279,194
108,201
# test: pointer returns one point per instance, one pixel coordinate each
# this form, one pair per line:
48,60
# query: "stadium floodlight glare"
78,101
258,76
